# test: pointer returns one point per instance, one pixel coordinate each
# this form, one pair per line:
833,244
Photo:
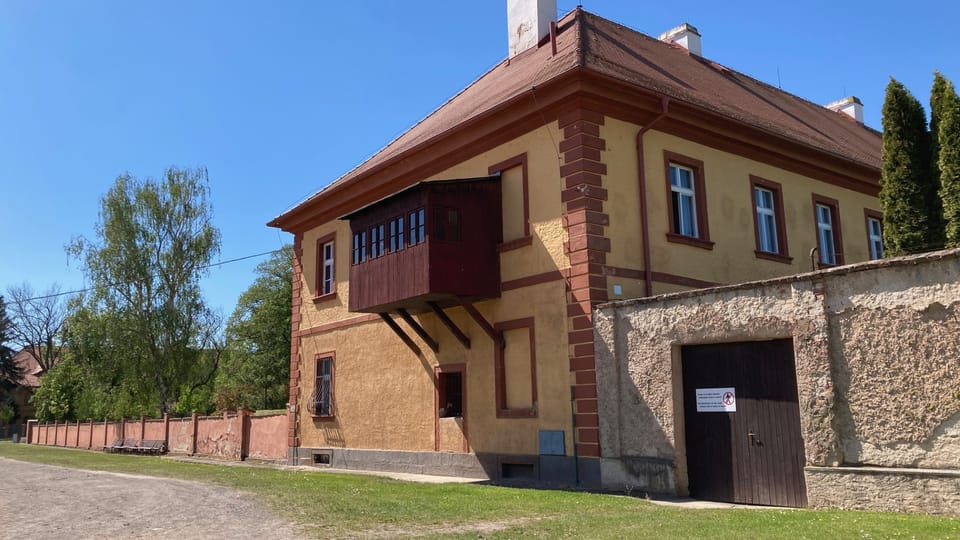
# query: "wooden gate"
743,423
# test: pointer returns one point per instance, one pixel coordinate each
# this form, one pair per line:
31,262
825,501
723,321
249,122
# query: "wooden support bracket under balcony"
432,343
400,333
451,326
496,336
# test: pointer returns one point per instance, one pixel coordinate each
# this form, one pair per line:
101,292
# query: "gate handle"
754,439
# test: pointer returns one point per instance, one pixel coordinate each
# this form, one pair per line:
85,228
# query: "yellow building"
443,289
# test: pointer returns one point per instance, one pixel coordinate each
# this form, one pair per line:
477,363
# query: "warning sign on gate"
717,399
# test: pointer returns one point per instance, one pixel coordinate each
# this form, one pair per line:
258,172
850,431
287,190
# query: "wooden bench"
133,446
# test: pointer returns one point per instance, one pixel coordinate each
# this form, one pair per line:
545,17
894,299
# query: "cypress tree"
905,179
949,166
941,94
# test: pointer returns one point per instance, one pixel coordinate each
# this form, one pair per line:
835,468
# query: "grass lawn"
337,505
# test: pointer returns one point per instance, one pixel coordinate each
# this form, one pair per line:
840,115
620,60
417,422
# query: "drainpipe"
642,181
573,439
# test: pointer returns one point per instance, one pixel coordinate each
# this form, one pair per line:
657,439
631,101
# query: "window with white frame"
875,237
826,234
766,220
684,201
327,284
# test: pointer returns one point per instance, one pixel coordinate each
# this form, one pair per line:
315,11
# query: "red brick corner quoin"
293,439
587,246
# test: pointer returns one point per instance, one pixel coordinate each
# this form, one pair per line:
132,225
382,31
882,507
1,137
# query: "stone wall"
877,352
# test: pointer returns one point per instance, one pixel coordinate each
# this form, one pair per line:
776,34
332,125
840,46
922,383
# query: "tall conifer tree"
941,95
949,165
906,185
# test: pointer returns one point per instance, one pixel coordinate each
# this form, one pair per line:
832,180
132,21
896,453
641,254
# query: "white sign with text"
717,399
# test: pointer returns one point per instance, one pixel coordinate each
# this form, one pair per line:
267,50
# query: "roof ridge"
776,88
708,61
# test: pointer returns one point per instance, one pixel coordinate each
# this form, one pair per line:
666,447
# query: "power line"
204,267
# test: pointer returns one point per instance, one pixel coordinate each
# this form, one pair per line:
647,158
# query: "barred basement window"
321,400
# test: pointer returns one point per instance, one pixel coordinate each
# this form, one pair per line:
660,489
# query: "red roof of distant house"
594,44
31,368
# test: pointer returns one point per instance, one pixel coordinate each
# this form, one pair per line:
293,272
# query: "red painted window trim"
837,230
875,214
319,296
449,368
700,192
500,371
517,161
333,377
783,255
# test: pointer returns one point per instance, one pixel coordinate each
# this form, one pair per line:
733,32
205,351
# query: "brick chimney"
528,22
685,35
850,106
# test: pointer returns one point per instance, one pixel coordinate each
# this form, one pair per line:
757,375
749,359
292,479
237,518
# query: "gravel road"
43,501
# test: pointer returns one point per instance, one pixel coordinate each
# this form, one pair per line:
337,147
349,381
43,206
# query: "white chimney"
685,35
528,21
850,106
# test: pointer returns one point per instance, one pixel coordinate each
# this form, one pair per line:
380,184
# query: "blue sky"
277,99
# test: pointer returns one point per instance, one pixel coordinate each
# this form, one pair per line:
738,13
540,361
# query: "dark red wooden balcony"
434,242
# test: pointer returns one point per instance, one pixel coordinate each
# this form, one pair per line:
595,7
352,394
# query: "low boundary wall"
232,435
875,349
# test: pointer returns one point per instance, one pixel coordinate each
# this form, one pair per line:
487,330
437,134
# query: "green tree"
256,371
942,97
906,186
949,166
10,372
143,329
58,397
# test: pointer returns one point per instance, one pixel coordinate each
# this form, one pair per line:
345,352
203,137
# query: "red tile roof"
31,369
625,54
592,43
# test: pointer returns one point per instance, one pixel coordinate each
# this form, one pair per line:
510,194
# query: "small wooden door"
753,454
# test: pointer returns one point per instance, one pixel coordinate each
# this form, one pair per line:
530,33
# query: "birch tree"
144,326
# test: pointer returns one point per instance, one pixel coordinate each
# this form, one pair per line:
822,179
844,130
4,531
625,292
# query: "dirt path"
43,501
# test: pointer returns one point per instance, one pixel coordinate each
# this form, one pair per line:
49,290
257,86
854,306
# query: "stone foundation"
932,491
541,471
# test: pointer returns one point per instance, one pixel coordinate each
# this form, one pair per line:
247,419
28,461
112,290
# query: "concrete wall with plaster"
877,352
